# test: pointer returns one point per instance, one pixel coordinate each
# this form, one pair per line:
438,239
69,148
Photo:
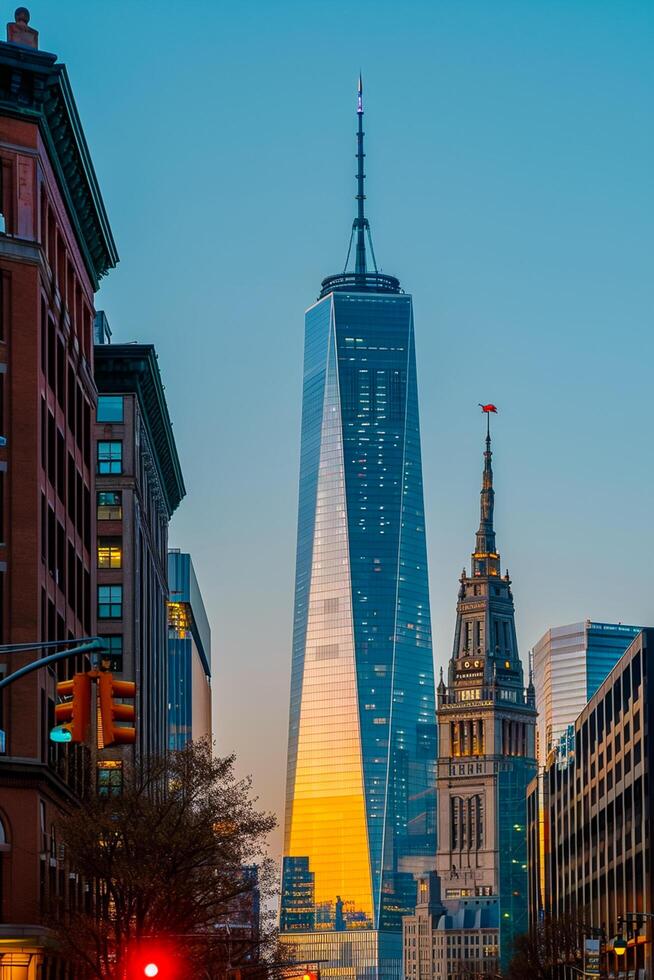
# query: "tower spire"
360,222
360,225
365,277
486,533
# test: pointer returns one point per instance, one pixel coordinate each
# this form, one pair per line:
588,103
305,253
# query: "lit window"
110,408
113,652
110,457
110,505
110,779
110,553
110,601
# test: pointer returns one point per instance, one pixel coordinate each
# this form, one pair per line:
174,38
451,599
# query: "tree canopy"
178,860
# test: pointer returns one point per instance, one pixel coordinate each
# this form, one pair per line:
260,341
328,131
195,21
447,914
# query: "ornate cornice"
133,368
35,88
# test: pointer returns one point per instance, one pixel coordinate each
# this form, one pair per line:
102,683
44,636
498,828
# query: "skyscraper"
486,722
570,663
360,813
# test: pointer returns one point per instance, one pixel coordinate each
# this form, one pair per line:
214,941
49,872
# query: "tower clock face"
471,664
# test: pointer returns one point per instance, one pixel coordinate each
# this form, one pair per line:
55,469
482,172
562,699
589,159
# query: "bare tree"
541,953
170,863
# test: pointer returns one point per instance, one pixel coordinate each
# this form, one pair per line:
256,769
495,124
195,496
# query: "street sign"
592,950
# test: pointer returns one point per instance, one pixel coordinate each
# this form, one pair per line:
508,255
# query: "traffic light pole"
92,645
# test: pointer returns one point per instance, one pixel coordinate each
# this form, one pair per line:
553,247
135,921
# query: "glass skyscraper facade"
189,655
360,806
570,663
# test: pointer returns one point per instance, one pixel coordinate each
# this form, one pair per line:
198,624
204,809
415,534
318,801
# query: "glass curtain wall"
360,809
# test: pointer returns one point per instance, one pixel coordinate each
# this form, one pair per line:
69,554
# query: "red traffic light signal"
74,714
156,958
112,713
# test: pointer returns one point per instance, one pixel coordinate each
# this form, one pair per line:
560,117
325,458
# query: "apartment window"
110,779
113,652
110,601
110,457
110,408
110,553
110,505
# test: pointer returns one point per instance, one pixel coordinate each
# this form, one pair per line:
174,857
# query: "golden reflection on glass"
327,820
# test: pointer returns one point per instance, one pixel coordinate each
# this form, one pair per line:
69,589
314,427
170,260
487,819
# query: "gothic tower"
486,727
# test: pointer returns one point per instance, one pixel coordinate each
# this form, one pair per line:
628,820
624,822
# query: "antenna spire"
360,222
360,225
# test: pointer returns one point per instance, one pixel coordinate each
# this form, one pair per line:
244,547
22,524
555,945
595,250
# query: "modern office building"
570,662
55,246
360,814
189,655
139,486
599,810
486,760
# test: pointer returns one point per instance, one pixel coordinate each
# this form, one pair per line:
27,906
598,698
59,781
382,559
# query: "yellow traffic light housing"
112,714
74,713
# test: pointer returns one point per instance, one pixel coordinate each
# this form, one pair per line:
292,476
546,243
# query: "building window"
110,408
113,652
110,553
110,457
110,779
110,601
110,505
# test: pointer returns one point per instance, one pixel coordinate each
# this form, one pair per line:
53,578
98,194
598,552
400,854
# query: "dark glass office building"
360,808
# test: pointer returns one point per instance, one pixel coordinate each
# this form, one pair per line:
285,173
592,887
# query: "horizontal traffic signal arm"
94,645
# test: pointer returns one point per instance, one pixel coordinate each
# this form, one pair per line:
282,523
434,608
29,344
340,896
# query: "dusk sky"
510,154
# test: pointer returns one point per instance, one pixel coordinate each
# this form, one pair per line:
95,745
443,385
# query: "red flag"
488,408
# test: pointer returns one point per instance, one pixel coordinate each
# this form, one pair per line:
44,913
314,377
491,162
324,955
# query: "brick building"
55,245
139,486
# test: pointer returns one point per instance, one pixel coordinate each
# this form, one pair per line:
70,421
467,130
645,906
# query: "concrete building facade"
570,662
599,808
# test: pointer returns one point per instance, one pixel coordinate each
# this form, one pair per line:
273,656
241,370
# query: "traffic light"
74,714
110,713
311,975
154,958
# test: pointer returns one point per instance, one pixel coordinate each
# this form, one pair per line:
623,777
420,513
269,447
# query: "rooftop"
133,369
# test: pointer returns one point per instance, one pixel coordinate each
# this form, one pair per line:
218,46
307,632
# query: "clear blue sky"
510,161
